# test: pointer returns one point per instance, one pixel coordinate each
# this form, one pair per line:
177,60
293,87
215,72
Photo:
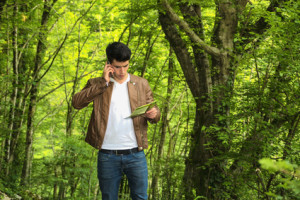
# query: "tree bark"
19,82
14,94
40,52
209,84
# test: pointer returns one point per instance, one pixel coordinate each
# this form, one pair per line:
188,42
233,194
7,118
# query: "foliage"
288,174
262,120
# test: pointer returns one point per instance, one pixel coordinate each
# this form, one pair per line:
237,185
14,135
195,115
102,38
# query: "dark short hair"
118,51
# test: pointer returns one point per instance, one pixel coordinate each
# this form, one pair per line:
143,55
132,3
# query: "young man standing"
120,139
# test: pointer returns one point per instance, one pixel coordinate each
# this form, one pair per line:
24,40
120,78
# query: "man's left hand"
151,114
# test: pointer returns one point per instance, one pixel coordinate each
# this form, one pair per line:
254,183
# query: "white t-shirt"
119,132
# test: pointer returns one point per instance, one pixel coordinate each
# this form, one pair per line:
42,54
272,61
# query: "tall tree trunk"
17,97
14,93
204,146
40,52
168,184
19,85
70,117
96,191
157,168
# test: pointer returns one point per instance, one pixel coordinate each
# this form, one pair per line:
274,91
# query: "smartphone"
110,74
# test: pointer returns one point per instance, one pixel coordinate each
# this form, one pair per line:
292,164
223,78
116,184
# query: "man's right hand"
107,70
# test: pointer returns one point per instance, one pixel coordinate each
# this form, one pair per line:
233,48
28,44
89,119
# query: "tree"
210,63
164,126
40,53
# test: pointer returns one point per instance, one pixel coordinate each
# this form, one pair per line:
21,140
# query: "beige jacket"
97,91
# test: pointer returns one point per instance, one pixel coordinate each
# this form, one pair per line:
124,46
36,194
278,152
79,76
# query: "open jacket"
100,93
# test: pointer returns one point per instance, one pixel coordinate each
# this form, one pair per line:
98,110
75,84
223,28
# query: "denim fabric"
110,169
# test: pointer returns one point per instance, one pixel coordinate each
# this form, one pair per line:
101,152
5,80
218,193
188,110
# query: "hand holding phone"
108,71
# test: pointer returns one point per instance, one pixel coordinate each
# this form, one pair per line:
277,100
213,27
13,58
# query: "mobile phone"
110,74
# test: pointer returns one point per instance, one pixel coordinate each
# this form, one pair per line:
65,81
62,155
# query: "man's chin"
121,76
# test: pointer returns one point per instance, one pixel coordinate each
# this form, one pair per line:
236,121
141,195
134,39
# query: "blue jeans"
110,170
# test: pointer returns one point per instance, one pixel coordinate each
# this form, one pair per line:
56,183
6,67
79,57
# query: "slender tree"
40,53
19,85
164,127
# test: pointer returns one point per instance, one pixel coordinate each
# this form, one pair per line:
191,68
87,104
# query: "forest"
224,73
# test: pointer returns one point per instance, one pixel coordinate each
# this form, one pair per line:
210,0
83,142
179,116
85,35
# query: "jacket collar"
133,92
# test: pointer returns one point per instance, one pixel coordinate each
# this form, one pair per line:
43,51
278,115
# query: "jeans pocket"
139,154
103,156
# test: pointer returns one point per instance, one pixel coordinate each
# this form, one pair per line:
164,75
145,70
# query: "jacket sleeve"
93,88
149,99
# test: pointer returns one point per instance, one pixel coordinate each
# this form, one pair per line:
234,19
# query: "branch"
130,24
292,132
59,48
193,36
51,113
24,46
62,84
260,25
64,40
261,181
181,50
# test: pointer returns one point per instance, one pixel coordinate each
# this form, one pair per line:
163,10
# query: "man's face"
120,70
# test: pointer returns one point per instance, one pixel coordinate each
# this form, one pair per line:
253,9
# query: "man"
119,138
